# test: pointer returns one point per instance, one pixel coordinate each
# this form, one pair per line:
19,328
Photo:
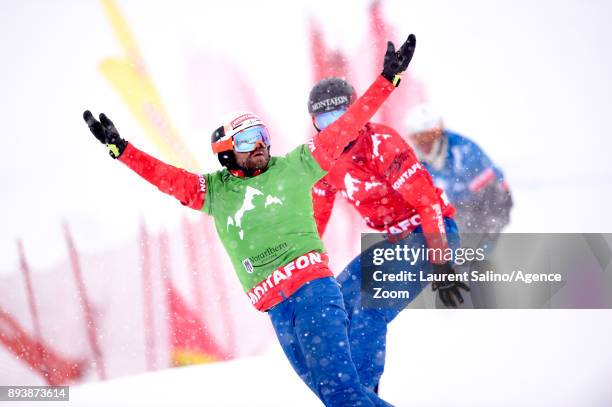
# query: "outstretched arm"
327,146
188,188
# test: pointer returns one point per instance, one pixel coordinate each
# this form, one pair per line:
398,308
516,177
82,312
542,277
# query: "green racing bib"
266,221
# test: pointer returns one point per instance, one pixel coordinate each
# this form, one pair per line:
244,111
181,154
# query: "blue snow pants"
311,327
368,326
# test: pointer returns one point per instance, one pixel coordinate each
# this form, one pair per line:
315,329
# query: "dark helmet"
330,94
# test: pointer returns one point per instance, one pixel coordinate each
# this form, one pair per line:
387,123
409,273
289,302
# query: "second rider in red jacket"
380,175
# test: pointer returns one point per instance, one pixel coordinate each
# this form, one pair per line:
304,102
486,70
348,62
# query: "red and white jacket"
380,175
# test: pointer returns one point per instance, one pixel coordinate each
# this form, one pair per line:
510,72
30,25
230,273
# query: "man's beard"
254,164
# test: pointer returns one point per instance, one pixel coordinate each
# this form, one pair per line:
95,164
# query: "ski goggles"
245,140
322,120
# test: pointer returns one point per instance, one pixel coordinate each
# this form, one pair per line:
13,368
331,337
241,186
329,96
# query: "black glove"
448,290
105,131
397,62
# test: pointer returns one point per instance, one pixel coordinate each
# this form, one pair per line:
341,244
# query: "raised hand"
105,131
397,62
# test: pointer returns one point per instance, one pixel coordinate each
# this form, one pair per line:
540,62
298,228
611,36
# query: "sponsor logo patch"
404,225
202,180
331,102
283,273
406,175
268,256
241,119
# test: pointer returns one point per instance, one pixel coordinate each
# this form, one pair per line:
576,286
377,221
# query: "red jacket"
382,178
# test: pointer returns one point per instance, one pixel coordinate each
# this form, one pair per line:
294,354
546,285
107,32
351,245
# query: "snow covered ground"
507,358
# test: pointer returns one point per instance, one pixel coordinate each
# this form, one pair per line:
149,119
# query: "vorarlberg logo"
264,258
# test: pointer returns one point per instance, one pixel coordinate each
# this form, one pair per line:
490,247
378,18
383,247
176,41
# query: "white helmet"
232,124
422,118
222,142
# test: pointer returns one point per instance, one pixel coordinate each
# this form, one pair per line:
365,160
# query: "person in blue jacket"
473,184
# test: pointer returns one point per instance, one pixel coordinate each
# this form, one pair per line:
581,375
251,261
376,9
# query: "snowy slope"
544,358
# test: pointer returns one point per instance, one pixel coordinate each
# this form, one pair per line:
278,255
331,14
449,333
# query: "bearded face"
252,161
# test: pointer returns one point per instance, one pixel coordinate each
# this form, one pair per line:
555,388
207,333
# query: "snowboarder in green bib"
262,209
